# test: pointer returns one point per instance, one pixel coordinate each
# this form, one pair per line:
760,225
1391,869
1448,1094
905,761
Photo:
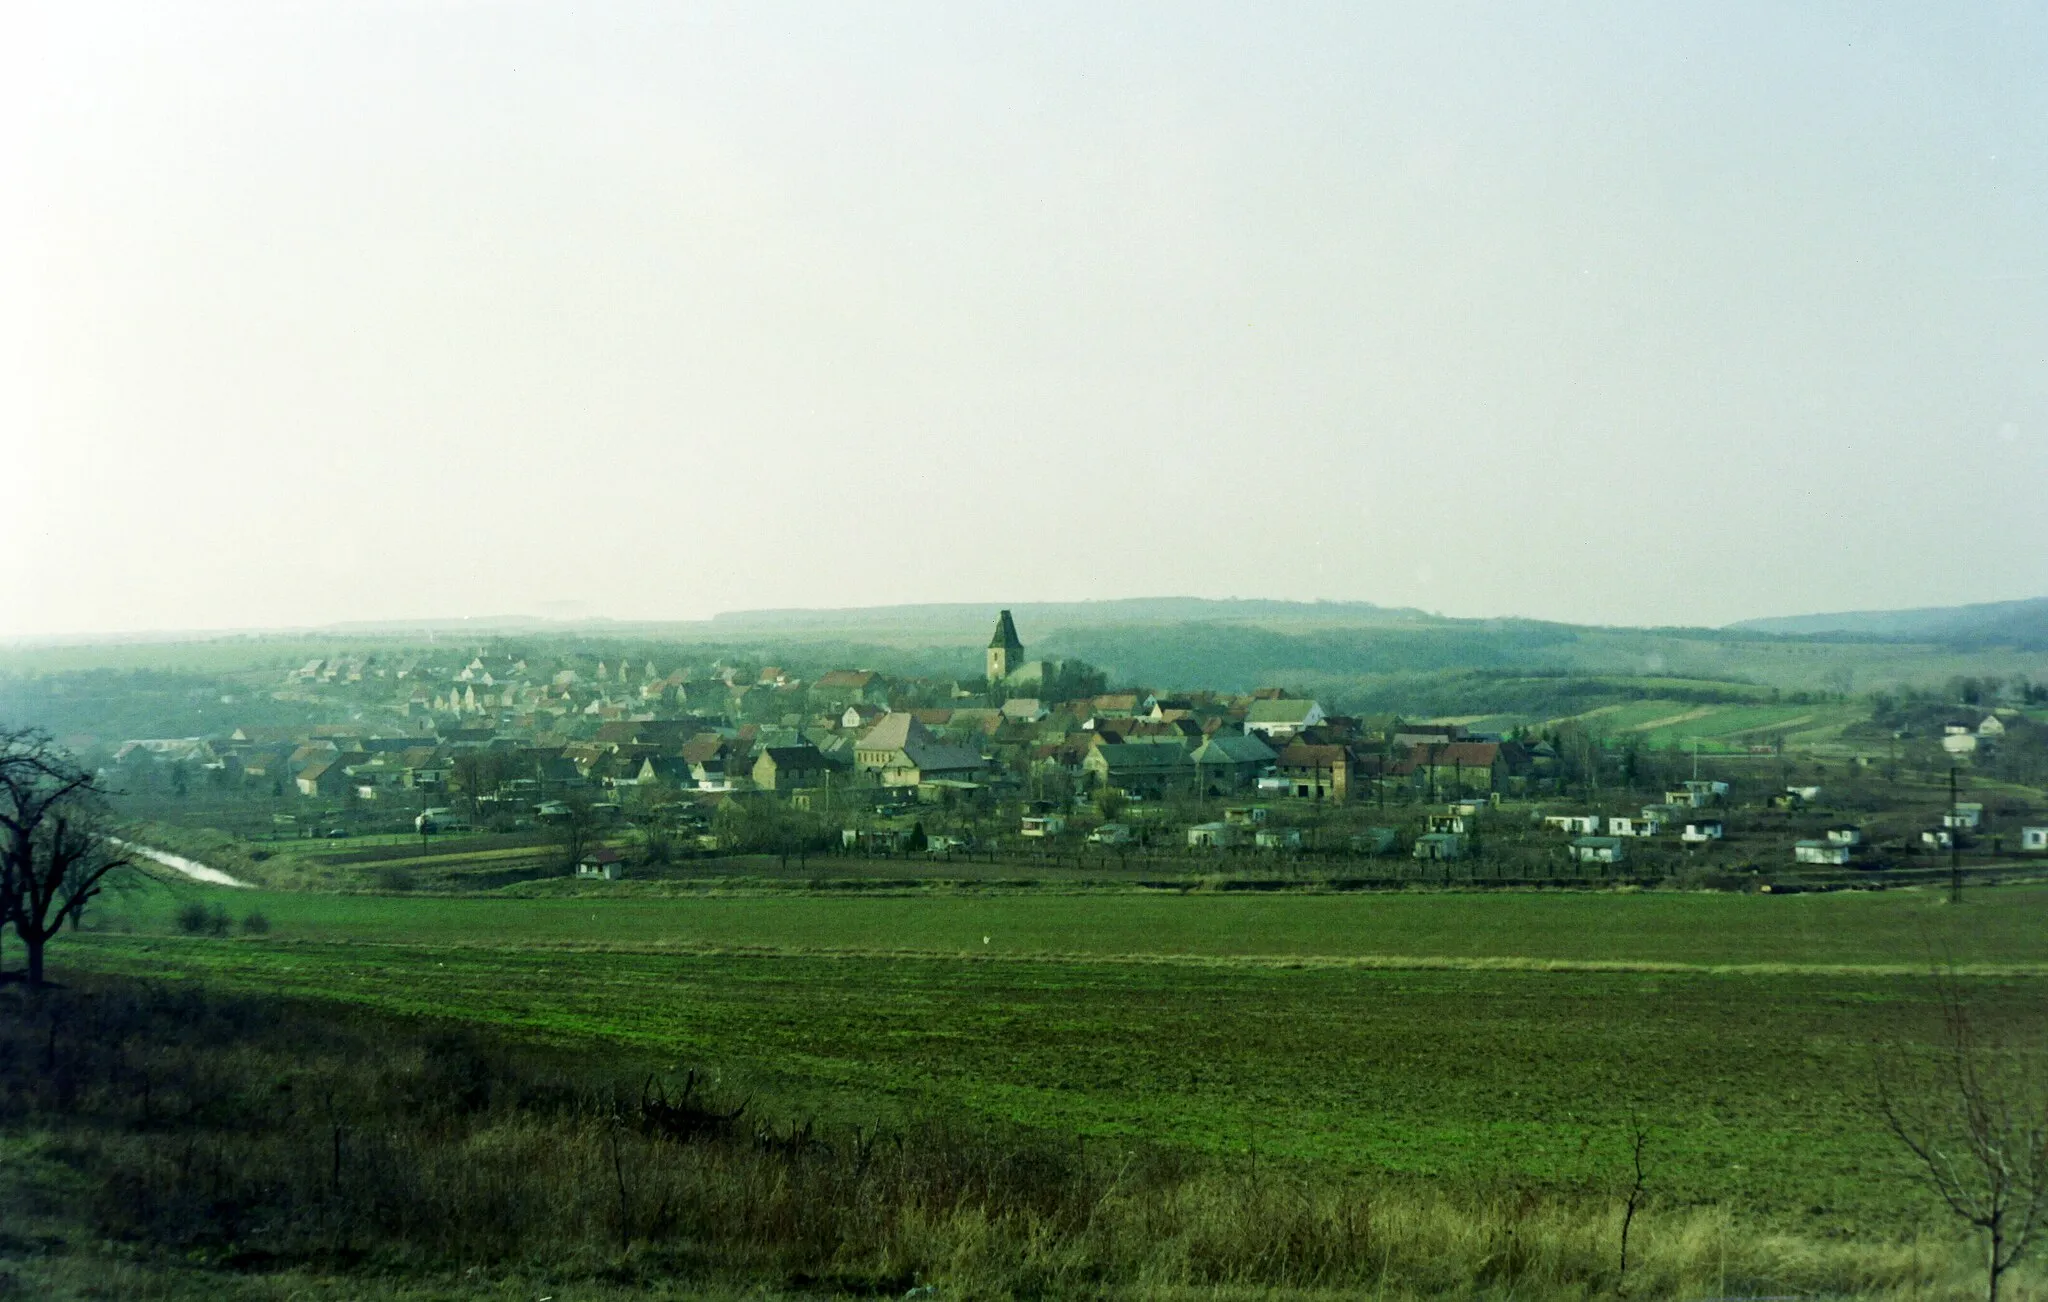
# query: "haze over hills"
2021,624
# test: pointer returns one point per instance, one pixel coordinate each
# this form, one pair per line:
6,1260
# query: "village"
642,766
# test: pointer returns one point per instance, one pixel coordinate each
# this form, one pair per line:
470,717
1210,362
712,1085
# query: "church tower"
1005,652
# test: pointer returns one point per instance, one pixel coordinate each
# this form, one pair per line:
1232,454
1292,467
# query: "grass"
163,1142
1474,1037
1902,930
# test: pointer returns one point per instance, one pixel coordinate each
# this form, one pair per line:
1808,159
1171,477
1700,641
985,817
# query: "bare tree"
1976,1119
54,853
574,829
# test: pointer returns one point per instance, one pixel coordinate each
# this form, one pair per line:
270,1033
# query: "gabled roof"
1233,748
1287,711
855,679
703,748
1140,757
894,732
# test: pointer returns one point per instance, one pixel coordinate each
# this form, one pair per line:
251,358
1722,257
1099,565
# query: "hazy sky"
1632,313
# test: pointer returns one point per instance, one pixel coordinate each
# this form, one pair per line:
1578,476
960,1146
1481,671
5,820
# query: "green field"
1720,728
1477,1037
1902,930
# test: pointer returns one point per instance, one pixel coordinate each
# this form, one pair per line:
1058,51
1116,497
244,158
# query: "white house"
1965,816
1845,834
603,863
1621,826
1578,824
1212,836
1826,852
1042,825
1991,726
1958,739
1699,831
1938,838
2034,838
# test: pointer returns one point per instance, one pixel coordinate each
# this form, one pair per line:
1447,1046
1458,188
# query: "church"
1007,666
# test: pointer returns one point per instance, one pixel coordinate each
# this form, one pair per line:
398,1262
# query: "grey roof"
1288,711
1234,748
1130,757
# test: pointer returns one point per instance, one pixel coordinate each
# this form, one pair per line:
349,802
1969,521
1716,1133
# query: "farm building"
1212,836
1111,834
1938,838
1845,834
1699,831
1042,825
1597,849
604,863
1440,845
1577,824
1374,840
2034,839
1626,826
439,819
1964,816
1278,838
1826,852
1245,815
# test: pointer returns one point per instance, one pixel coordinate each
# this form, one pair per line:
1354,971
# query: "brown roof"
858,679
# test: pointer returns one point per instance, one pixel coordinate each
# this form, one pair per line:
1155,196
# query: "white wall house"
1825,852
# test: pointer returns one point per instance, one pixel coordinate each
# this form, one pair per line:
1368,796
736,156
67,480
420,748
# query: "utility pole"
1955,844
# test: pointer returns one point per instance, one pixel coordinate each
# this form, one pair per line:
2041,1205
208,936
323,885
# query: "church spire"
1005,651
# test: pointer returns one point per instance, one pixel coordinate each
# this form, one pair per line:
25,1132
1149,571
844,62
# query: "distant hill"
2022,624
963,619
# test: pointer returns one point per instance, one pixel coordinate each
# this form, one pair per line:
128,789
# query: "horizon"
735,619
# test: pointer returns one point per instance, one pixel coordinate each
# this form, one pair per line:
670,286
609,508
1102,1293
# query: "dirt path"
198,872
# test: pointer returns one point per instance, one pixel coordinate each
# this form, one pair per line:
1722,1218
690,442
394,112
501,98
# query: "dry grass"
163,1143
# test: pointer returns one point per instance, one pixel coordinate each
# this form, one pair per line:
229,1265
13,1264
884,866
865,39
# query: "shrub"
255,924
196,918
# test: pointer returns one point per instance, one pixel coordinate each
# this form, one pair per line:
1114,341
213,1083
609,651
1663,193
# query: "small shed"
1598,849
1440,845
1212,836
1042,825
1374,840
1845,834
1278,838
1699,831
2034,839
603,863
